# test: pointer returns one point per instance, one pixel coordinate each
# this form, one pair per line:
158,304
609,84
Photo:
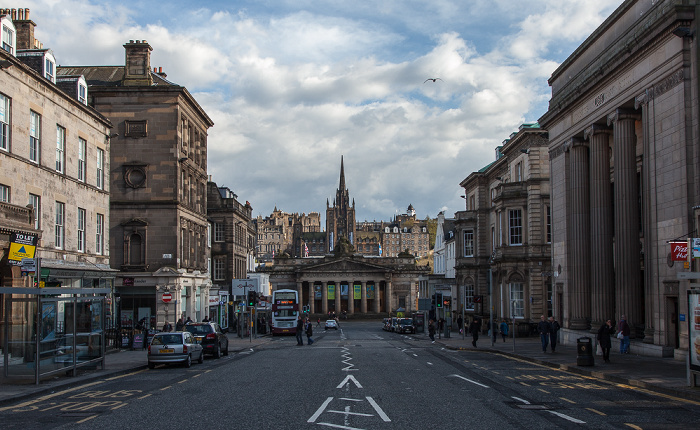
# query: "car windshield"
330,322
199,329
406,322
167,339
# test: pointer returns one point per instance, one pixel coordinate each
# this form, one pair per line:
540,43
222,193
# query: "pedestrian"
504,330
460,323
167,326
189,320
474,329
179,325
309,332
206,319
318,322
493,331
431,330
554,327
625,341
300,331
544,329
604,333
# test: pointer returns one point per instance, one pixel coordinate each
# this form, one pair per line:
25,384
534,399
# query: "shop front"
218,308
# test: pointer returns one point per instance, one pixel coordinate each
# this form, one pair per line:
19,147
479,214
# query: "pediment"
346,265
135,222
166,271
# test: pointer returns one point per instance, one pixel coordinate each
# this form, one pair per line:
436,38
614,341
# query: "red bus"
285,309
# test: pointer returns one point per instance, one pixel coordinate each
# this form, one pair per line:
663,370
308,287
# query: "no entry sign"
167,297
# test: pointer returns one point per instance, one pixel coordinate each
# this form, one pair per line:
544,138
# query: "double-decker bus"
285,308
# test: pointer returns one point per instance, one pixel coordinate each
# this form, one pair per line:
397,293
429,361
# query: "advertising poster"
127,318
48,321
343,291
357,292
694,329
370,291
331,292
317,292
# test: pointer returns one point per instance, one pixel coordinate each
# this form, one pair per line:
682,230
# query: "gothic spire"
342,175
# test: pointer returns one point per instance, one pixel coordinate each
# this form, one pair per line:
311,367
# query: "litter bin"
584,349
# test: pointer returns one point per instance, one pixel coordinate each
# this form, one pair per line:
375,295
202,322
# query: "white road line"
347,381
415,355
319,411
521,400
429,363
378,409
469,380
566,417
350,413
351,400
339,426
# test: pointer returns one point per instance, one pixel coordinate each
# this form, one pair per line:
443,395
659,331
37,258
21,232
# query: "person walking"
300,331
544,329
460,324
431,330
309,332
625,341
603,337
554,327
504,330
474,329
318,322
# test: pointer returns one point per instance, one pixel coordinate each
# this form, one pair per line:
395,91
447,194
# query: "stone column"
312,304
602,273
363,303
300,292
628,291
337,298
376,297
351,298
579,236
324,297
387,297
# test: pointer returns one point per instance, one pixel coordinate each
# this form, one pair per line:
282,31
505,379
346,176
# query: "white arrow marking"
347,379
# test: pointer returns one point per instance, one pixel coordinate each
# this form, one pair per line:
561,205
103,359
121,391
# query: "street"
356,377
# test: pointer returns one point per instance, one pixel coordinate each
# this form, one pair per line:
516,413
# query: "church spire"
342,176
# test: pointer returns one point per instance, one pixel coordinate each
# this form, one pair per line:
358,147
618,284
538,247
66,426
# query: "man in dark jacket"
474,329
604,333
543,328
554,331
300,331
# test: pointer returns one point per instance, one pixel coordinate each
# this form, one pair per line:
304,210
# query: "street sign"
28,265
167,297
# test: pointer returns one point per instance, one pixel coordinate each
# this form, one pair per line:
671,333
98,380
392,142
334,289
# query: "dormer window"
82,94
8,39
50,70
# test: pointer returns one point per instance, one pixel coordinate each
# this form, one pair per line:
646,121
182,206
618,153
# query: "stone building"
158,179
504,235
54,205
623,129
340,218
232,245
283,232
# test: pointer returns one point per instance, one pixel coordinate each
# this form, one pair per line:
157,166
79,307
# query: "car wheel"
188,362
217,353
201,357
151,365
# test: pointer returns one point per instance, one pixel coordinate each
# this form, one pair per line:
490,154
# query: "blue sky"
294,85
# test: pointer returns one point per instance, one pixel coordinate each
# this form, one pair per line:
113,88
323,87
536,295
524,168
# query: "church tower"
340,218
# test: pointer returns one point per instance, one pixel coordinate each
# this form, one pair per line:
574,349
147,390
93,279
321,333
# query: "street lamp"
513,316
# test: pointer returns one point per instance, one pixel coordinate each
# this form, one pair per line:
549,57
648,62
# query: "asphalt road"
358,377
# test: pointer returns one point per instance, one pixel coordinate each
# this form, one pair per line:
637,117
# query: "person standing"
504,330
431,330
544,329
300,331
604,333
474,329
625,341
167,326
309,332
554,327
179,325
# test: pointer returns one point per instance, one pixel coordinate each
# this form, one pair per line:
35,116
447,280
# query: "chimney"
137,70
25,29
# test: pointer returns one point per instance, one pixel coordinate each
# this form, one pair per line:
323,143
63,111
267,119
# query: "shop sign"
213,300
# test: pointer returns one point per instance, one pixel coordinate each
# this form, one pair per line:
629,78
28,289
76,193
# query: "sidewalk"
664,375
117,362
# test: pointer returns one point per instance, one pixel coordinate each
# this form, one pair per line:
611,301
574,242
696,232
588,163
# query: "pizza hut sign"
679,251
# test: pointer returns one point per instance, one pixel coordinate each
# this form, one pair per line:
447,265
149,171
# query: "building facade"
623,128
158,226
283,232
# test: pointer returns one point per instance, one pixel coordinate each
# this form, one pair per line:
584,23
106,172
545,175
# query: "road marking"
143,397
523,383
339,426
430,363
184,380
415,355
544,391
567,400
596,412
120,406
127,374
378,409
566,417
347,412
86,419
197,375
469,380
351,400
347,381
318,412
633,426
521,400
50,396
165,388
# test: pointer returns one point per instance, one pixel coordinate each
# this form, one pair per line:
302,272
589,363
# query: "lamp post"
513,316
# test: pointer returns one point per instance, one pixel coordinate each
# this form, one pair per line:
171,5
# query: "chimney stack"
25,29
137,70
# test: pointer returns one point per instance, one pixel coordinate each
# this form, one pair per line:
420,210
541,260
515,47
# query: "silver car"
174,347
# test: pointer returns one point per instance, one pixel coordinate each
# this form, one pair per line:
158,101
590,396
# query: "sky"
294,85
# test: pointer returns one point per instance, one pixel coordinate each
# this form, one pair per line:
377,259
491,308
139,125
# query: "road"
357,377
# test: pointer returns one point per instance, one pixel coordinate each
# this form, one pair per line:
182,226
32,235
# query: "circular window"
135,177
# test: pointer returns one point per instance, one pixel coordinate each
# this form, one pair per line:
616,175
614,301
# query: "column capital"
644,98
622,114
574,142
596,129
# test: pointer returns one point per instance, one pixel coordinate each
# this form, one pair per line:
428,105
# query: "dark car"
209,335
405,325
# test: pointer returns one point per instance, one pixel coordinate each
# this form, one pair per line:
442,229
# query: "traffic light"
438,300
447,302
432,300
251,298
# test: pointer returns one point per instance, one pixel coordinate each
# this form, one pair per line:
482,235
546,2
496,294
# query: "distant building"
340,217
287,232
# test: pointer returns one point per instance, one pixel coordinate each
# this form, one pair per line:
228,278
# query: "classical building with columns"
623,128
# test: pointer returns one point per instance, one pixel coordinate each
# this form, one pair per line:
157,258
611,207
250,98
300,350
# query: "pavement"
662,375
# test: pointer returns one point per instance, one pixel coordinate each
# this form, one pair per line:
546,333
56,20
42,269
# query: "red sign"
679,251
167,297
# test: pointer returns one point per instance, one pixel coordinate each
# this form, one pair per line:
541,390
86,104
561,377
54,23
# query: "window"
8,39
469,243
515,226
35,201
82,94
517,300
218,232
100,168
472,203
469,297
50,71
519,172
219,269
99,234
82,150
549,224
34,136
59,230
60,149
4,123
81,229
4,193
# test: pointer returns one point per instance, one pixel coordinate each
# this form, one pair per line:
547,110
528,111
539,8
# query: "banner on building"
694,329
331,292
357,292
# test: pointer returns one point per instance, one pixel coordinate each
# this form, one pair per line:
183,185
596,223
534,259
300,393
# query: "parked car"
210,336
174,347
331,324
405,325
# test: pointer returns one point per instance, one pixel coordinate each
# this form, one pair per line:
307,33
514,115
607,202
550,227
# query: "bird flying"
432,79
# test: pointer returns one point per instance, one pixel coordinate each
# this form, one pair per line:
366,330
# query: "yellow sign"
18,251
